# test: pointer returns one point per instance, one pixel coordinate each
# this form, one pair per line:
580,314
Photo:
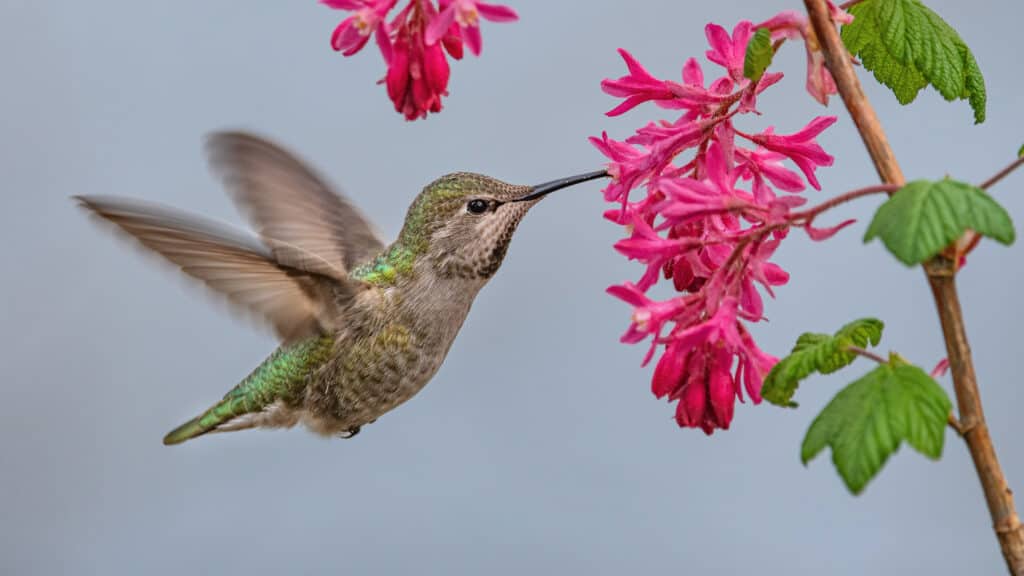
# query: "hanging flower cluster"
415,43
710,221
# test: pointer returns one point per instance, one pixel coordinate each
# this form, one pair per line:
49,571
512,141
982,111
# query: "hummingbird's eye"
476,206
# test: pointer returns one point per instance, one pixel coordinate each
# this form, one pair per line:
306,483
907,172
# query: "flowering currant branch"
711,222
941,272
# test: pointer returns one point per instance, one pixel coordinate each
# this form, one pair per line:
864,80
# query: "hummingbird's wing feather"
287,201
286,294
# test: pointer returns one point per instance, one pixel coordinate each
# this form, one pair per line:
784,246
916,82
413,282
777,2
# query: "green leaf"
818,353
924,217
1021,151
908,46
867,420
759,55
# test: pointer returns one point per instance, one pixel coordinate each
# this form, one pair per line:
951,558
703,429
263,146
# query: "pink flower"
800,147
417,77
764,164
709,219
729,52
940,369
792,24
706,368
648,315
352,34
414,44
465,15
627,166
639,86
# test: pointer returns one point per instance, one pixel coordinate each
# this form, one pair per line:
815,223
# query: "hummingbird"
363,326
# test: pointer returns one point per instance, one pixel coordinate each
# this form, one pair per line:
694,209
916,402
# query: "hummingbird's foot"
351,432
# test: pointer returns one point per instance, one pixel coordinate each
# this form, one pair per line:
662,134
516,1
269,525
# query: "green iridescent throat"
397,260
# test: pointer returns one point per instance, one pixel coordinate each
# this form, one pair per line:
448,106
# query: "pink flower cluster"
709,223
415,43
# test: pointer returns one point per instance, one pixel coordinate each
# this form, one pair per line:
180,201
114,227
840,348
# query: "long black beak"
546,188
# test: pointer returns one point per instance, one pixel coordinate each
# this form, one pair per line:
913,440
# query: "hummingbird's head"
464,222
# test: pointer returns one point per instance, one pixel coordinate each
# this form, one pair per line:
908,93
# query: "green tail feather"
279,377
186,431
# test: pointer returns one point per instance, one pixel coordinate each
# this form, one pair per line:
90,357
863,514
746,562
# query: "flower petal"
439,25
471,34
496,12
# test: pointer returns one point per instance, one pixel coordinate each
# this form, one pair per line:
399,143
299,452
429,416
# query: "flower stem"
1002,174
812,213
969,241
941,272
867,354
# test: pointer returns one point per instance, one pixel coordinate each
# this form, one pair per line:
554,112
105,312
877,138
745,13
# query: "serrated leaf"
908,46
866,421
818,353
924,217
759,55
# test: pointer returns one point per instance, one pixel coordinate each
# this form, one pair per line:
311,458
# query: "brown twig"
941,272
955,424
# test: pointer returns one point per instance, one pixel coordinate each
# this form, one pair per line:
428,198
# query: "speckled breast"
371,376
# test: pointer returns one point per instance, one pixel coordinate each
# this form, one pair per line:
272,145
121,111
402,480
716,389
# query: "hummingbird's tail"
187,431
259,399
228,414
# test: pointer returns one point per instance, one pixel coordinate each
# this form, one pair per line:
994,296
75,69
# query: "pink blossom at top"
639,86
465,15
715,206
729,52
353,33
415,44
792,24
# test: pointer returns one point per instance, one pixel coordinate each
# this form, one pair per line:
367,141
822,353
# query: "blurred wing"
286,201
230,263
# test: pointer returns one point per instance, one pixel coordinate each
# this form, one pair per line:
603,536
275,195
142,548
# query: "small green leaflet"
868,419
908,46
1021,151
818,353
759,55
924,217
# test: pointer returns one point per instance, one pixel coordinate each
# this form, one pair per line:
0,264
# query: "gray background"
538,447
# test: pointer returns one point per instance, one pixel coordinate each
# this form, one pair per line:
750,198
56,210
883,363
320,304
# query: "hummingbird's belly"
369,379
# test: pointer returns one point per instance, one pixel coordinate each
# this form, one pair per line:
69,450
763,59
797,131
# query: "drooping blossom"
792,24
716,203
415,44
354,32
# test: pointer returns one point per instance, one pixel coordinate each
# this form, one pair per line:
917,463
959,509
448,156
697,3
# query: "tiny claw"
350,433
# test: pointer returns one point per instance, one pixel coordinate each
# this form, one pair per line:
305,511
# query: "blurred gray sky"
537,448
